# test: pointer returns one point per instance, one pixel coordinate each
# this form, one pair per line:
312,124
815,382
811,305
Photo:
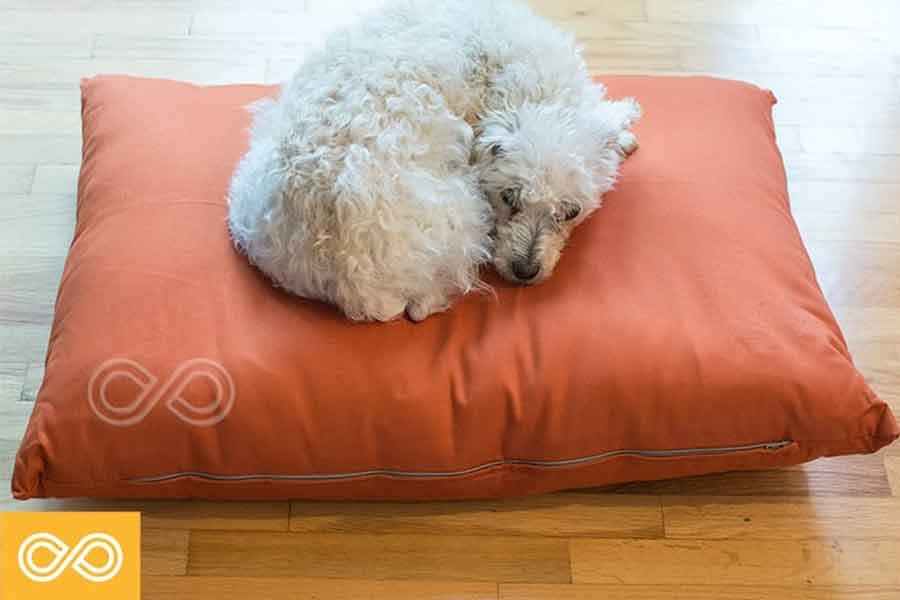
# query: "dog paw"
421,309
626,143
382,310
632,110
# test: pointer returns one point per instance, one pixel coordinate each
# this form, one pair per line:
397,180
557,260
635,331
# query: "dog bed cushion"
682,333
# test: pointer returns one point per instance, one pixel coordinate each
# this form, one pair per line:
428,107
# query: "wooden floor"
830,529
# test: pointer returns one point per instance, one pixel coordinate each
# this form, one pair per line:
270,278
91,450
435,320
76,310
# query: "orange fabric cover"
685,315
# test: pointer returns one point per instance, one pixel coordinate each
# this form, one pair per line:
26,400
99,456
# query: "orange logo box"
53,555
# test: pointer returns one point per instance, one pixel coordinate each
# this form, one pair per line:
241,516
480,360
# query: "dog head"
543,167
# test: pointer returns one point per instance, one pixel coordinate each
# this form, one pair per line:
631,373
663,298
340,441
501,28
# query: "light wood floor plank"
65,21
52,96
857,273
799,36
608,10
723,59
39,44
832,13
39,225
23,342
710,517
280,70
13,412
55,179
413,557
15,179
844,196
819,90
693,592
12,375
8,449
34,376
608,58
557,515
13,420
892,463
255,24
869,112
850,140
328,10
250,69
789,563
66,73
871,168
28,285
32,149
195,48
879,362
845,226
164,551
287,588
788,138
873,324
600,32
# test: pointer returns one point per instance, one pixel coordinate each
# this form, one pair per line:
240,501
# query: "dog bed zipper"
541,464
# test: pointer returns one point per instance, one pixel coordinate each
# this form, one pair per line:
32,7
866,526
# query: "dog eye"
510,197
570,212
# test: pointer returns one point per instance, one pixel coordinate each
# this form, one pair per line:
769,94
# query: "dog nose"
525,271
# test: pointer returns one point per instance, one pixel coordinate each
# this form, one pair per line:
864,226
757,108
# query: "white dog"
433,137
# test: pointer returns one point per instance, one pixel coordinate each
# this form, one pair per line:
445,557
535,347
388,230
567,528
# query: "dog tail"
256,181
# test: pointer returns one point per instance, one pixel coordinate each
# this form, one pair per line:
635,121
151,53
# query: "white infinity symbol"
77,557
123,415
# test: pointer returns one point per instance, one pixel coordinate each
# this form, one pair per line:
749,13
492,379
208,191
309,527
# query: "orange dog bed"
682,333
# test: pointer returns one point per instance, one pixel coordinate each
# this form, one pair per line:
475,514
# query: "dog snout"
525,270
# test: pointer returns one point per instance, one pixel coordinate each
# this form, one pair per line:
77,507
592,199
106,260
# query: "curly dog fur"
430,139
